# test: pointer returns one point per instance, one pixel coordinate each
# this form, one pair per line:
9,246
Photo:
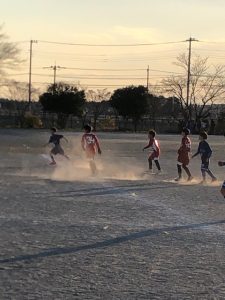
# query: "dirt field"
119,235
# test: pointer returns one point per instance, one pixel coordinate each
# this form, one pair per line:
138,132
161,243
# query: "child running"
90,144
57,149
221,164
205,152
183,155
154,150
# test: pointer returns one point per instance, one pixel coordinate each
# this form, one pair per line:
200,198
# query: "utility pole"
148,79
30,72
54,68
190,40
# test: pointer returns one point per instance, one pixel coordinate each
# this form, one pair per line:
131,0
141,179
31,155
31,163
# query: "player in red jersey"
90,145
154,152
183,155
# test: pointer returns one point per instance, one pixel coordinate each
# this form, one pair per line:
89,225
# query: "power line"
110,45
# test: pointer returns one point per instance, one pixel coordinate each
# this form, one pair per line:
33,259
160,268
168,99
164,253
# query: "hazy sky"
68,19
112,22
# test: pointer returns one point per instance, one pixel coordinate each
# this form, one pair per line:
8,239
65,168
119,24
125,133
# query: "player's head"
87,128
151,133
185,131
53,130
203,136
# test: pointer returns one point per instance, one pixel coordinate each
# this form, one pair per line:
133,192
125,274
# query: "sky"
111,22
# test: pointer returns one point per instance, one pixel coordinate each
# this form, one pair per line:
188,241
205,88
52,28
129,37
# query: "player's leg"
213,177
61,152
186,169
93,166
66,156
52,153
156,160
150,163
203,170
205,167
179,170
223,189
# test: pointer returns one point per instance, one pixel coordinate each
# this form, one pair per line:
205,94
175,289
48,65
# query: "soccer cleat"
177,179
202,182
190,178
52,163
214,179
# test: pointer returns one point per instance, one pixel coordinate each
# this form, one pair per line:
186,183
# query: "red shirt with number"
90,144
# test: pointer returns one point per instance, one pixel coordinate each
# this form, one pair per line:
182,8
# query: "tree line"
206,85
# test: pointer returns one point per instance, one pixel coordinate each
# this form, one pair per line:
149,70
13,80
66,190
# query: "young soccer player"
154,152
221,164
205,152
183,155
57,149
90,145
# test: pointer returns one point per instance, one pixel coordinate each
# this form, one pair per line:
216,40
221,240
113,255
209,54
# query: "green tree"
64,100
131,102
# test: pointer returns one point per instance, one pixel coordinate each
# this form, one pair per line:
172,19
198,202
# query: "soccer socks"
157,165
150,164
179,170
187,171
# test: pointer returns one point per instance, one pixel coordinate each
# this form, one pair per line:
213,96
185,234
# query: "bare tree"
207,86
97,100
9,53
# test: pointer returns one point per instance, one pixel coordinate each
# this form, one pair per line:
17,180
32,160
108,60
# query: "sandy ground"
119,235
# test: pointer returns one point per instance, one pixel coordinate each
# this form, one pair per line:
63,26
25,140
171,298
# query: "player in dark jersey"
57,149
221,164
90,145
183,155
205,152
154,152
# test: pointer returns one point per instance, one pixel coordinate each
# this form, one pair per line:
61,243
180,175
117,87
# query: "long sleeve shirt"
204,150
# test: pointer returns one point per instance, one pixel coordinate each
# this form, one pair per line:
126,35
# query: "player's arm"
49,142
65,139
97,145
198,151
83,142
46,144
147,146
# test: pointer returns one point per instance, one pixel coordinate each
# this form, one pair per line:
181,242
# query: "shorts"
57,150
183,159
90,154
153,156
205,165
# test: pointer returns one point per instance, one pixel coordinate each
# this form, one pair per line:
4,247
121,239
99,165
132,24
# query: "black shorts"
57,150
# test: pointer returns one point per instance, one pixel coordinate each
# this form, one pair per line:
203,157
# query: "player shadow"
106,191
95,191
107,243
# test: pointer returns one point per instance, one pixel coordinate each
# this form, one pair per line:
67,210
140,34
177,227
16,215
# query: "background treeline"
131,108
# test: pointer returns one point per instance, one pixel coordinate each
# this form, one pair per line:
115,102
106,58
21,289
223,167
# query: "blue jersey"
204,150
55,139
